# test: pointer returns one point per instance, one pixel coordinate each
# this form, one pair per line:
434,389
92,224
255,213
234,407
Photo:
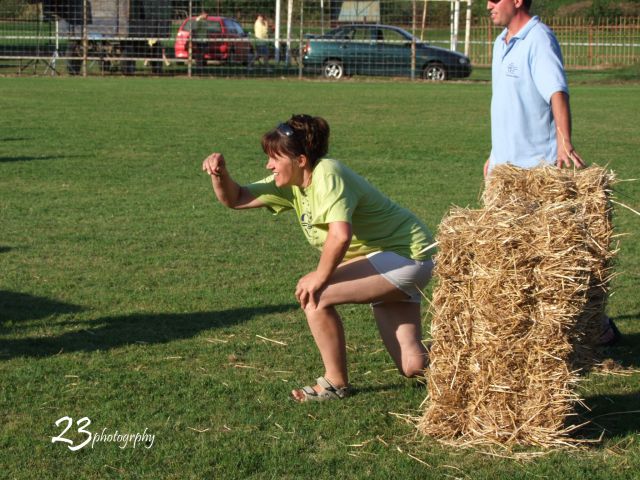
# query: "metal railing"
37,42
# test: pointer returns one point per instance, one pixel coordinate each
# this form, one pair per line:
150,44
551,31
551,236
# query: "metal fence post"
413,41
467,29
190,45
301,38
276,36
85,37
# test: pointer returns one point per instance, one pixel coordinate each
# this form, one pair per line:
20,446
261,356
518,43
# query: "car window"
341,33
202,28
362,34
214,26
233,27
393,36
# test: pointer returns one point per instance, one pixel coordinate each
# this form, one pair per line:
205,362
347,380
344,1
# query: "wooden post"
424,19
590,51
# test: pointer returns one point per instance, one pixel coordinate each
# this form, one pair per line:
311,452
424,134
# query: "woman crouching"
372,250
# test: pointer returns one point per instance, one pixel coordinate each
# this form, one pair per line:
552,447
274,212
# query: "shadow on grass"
18,307
614,415
119,331
373,389
28,158
4,249
626,352
610,416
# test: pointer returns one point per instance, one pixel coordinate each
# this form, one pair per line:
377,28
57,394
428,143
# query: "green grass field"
130,297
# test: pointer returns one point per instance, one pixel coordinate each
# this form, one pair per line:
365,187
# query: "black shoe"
610,335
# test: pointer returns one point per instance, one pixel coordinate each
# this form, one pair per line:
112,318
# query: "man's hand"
568,157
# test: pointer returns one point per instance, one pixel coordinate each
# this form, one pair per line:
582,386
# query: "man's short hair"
527,4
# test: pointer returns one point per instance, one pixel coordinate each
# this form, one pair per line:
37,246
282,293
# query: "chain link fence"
432,39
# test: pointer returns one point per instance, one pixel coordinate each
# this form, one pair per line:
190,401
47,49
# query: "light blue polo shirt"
526,72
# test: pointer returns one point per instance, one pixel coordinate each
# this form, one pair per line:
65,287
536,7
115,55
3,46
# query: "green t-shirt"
337,194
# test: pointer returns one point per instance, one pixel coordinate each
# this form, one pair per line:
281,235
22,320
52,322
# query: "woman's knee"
414,365
319,310
323,302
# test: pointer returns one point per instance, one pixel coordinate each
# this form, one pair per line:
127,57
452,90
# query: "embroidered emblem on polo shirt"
512,70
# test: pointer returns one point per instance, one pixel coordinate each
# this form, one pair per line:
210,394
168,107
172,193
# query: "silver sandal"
329,392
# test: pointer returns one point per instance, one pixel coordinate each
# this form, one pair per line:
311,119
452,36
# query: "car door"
239,47
394,53
342,47
362,51
181,48
206,34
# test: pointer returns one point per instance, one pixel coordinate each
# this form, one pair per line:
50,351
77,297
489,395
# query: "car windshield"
400,34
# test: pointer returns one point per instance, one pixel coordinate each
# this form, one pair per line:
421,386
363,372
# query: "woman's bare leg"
356,281
399,324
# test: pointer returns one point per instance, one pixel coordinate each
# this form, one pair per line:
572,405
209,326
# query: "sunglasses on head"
285,129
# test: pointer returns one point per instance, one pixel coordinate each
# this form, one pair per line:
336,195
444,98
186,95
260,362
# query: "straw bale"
515,282
517,189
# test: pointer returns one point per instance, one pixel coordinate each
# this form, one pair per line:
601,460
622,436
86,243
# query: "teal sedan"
362,49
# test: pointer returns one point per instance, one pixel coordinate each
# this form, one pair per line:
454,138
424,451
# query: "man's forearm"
562,117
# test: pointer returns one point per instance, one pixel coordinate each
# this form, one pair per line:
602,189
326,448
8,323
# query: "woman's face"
286,171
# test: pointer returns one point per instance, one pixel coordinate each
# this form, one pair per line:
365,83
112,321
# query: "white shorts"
406,274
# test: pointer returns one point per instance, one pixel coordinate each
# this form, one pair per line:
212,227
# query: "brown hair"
300,135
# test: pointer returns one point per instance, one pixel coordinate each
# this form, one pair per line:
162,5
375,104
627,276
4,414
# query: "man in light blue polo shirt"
530,116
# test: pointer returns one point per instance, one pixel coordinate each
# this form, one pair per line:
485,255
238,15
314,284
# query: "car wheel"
333,69
434,72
